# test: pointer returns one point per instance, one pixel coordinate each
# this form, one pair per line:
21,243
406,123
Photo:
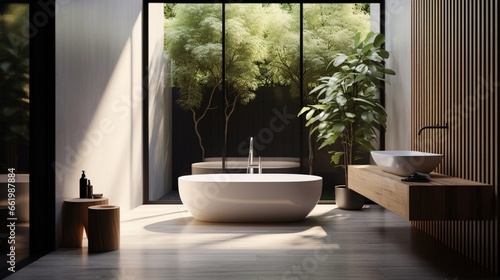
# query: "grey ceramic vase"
347,199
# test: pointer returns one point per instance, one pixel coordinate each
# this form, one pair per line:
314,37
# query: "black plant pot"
347,199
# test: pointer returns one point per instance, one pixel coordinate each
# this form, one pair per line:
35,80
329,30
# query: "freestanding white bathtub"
250,197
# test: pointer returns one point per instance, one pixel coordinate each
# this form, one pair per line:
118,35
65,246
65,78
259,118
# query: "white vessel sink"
405,163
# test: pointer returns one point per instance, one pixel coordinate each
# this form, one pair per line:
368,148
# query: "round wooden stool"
75,220
104,228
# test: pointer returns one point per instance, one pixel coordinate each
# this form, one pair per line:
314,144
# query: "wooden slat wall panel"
455,81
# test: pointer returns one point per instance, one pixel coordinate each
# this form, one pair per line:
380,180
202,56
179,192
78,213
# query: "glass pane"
14,133
328,29
262,86
185,77
203,107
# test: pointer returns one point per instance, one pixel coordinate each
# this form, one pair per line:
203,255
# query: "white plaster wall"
98,100
160,108
398,92
375,17
375,27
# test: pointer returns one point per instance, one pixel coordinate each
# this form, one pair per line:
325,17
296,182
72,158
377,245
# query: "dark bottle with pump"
83,185
90,190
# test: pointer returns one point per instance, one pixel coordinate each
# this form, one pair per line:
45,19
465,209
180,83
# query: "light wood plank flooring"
165,242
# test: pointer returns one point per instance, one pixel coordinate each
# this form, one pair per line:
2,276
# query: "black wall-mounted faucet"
432,127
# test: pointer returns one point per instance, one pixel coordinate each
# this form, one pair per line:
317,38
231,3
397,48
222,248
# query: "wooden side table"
75,219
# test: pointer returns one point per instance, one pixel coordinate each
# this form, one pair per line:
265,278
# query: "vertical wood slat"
455,81
494,81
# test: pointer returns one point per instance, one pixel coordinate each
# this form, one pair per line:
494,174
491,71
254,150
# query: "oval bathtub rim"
238,177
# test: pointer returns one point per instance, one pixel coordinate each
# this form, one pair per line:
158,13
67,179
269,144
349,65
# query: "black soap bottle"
90,190
83,185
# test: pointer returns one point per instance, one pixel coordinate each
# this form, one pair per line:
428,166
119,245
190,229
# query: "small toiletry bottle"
90,190
83,185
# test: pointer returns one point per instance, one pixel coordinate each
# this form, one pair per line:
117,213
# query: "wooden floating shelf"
443,198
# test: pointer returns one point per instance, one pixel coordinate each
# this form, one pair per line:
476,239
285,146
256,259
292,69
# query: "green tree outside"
262,48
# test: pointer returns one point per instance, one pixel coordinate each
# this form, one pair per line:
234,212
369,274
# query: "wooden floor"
165,242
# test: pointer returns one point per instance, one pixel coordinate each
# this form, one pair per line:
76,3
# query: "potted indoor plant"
348,115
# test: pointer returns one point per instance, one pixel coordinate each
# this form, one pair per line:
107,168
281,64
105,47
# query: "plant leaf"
310,114
341,100
389,71
379,40
367,116
350,115
367,48
303,110
384,54
362,68
357,38
339,59
336,157
368,37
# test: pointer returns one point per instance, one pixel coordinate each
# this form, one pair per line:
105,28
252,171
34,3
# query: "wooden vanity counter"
443,198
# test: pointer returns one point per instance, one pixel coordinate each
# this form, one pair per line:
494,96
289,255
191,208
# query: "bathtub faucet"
251,165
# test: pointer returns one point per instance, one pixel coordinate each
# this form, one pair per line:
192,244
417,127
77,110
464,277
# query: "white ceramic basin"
405,163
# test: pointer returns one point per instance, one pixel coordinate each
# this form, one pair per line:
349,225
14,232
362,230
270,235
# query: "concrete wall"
160,108
98,100
398,92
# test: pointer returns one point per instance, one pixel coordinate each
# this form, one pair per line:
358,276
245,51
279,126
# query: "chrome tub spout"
251,165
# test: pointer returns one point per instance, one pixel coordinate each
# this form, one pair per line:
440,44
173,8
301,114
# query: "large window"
220,73
14,134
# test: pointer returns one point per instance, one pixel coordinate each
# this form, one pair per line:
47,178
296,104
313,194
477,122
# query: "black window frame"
145,74
42,227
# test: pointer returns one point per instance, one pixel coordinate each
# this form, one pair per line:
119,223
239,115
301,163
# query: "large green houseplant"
348,111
